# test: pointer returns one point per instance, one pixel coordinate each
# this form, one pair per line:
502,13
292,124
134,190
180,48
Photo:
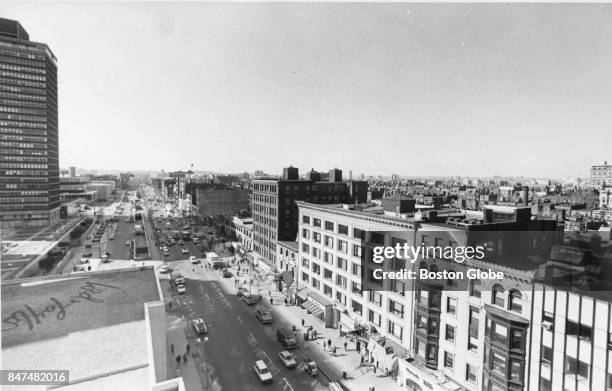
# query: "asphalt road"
235,338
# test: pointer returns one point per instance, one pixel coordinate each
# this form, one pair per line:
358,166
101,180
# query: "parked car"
193,259
199,326
287,359
184,251
227,273
181,289
262,371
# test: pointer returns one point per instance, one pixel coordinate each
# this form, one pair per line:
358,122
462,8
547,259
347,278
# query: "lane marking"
239,320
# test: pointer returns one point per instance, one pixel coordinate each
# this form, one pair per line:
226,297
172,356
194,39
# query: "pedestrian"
271,300
345,346
188,348
361,362
324,349
285,301
178,359
329,343
334,352
376,364
375,370
172,348
302,322
185,357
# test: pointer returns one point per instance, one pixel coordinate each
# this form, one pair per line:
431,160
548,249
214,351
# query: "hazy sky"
447,89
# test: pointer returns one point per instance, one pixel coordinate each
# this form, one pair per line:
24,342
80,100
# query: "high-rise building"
29,164
275,214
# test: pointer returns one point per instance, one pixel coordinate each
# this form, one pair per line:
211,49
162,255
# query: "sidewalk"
359,378
176,336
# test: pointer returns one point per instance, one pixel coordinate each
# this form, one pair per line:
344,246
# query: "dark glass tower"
29,165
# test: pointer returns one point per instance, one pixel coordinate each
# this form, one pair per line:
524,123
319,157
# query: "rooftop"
51,321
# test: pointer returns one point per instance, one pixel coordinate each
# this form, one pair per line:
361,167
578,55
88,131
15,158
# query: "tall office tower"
29,165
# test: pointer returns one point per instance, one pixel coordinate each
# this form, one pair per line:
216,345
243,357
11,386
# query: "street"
235,338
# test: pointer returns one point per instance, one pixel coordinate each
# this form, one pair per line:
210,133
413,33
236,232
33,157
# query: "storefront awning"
312,308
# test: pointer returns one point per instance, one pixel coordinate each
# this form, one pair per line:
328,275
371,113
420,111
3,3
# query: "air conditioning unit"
547,325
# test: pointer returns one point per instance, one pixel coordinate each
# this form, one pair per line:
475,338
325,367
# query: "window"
475,288
473,328
575,367
578,329
516,339
341,281
316,268
395,330
450,333
327,290
357,307
329,225
316,253
341,263
497,297
421,322
316,283
376,298
327,274
470,373
305,233
329,241
343,246
358,233
305,248
304,277
374,318
516,372
498,363
305,219
356,269
316,237
327,257
396,308
343,229
449,360
423,297
500,333
356,288
317,223
515,299
305,263
451,305
356,250
341,298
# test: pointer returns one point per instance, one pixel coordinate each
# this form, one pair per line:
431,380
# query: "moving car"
310,367
128,243
181,242
193,259
241,291
263,314
199,326
286,338
250,299
180,289
287,359
184,251
262,372
164,269
227,273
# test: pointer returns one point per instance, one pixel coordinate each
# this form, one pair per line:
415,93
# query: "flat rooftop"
92,324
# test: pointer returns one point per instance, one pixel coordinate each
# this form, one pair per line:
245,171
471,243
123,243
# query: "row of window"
21,68
36,125
22,89
23,165
23,83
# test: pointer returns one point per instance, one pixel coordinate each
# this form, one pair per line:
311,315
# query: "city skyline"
341,81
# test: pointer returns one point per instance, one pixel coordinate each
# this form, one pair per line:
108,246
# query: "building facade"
441,335
29,164
601,173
